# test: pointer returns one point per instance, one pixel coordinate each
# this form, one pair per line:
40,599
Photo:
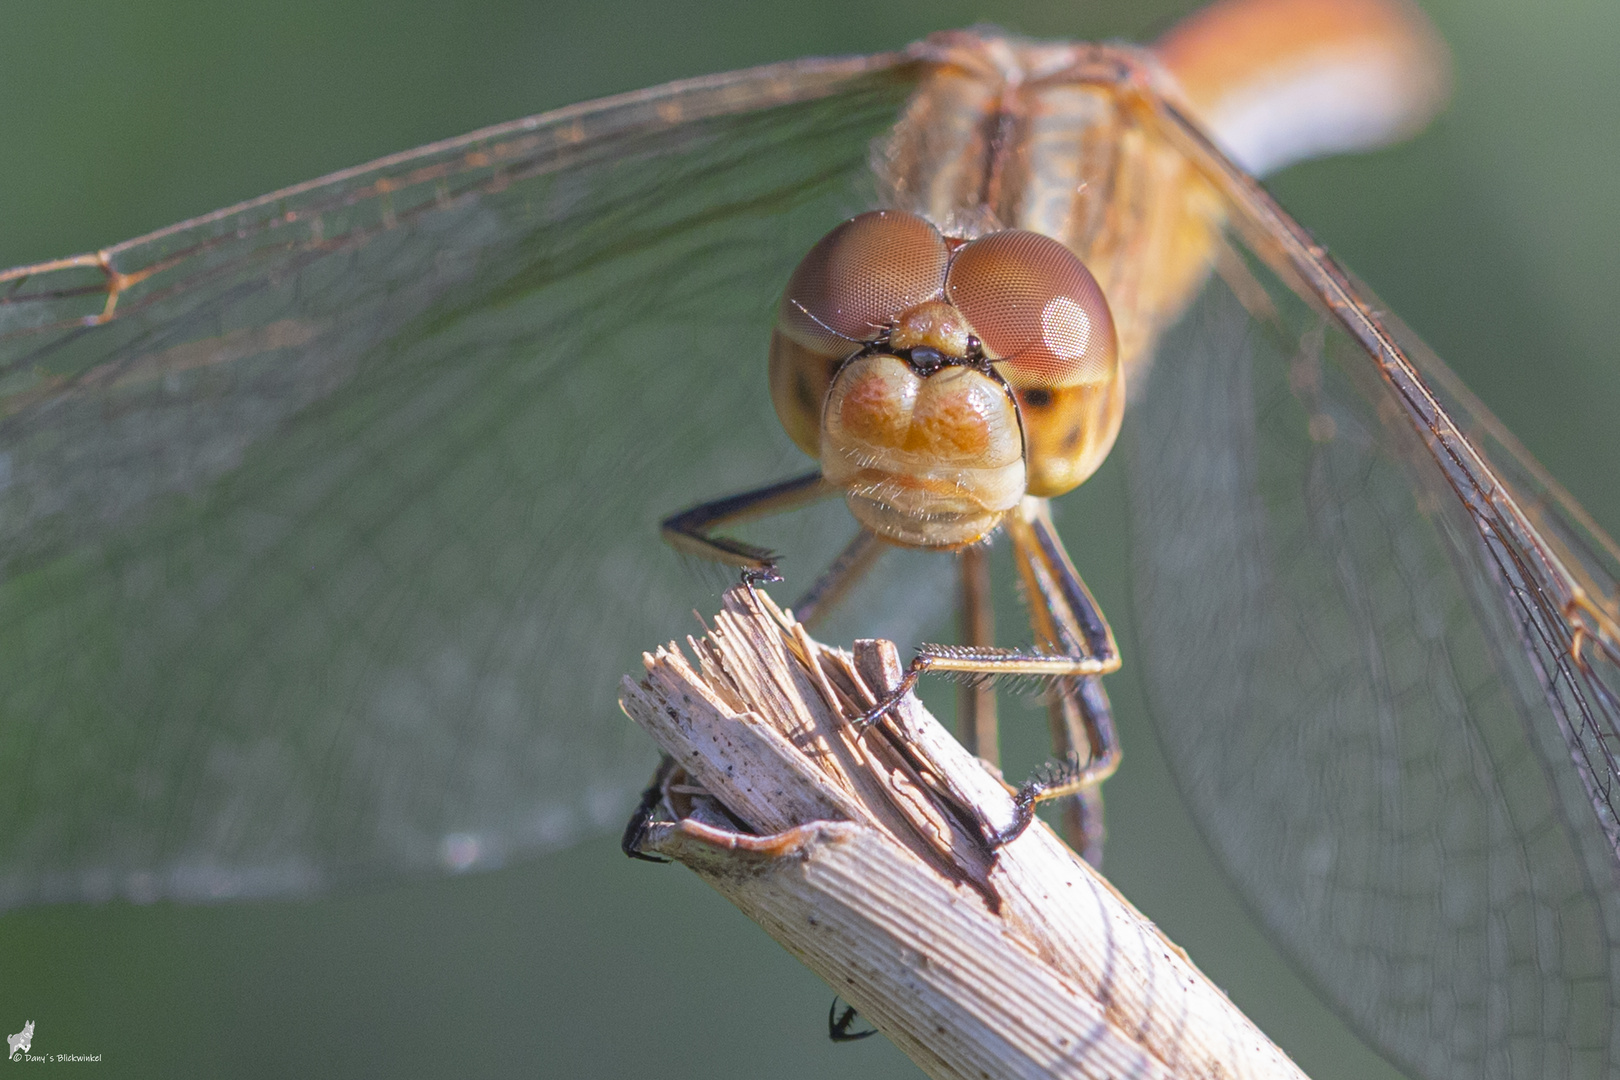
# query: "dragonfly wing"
1353,652
1565,572
328,522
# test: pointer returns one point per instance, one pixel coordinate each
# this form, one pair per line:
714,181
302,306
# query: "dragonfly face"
975,356
284,533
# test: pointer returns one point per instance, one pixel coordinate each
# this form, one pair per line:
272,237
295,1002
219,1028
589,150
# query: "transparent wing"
1379,649
328,522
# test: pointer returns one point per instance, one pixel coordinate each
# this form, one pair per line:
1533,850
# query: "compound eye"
860,276
1036,308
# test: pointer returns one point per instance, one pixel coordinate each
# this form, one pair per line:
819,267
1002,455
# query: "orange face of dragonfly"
941,380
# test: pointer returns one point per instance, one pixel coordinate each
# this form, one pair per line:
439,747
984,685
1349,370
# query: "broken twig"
870,856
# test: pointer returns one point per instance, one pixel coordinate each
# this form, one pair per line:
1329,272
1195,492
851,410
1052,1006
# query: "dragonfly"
327,533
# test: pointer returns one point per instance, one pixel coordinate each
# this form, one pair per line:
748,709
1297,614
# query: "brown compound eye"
859,277
1036,308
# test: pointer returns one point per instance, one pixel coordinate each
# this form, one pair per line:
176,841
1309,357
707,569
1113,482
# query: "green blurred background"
1496,236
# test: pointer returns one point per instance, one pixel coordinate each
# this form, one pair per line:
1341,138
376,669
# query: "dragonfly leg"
1074,648
1065,618
839,1023
976,702
843,574
636,829
694,530
1080,714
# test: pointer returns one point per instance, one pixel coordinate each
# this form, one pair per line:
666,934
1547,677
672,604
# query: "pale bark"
866,857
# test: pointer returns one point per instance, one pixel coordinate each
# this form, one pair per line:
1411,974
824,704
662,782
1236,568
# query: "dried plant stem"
866,856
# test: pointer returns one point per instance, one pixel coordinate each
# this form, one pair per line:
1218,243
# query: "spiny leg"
842,574
636,829
1074,647
839,1024
693,530
1082,703
976,700
1065,618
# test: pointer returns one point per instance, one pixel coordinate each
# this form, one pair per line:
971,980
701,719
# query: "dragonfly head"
921,371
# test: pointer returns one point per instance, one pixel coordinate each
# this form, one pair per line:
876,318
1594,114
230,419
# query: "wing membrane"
324,542
1380,664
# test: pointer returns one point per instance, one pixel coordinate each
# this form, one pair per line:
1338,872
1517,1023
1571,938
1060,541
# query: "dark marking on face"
1072,438
1037,398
